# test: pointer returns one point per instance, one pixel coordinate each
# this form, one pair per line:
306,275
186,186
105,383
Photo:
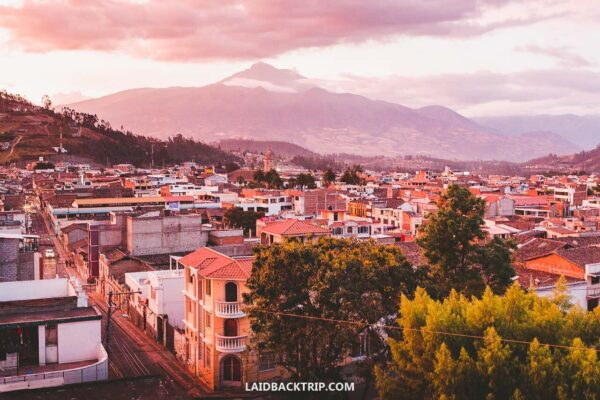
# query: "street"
133,355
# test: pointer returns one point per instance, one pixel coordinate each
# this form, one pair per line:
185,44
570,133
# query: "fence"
90,373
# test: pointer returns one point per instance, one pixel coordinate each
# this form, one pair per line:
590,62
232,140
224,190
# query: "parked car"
49,253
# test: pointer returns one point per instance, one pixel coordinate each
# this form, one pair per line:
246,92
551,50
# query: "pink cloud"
227,29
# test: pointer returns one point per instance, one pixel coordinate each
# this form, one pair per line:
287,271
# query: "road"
133,355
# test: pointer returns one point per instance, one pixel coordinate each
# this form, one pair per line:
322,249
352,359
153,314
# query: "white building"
161,300
45,324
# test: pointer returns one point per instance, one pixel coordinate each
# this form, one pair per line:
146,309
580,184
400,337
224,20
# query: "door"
230,292
230,327
232,369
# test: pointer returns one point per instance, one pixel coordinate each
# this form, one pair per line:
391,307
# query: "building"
47,326
217,330
281,231
20,259
159,308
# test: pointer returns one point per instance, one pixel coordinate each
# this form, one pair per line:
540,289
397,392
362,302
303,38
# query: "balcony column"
42,344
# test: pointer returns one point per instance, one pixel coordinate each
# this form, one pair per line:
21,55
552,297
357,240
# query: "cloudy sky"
480,57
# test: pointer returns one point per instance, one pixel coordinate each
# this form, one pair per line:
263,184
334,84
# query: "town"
318,200
111,273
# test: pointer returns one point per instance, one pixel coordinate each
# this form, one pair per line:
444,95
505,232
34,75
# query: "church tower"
268,161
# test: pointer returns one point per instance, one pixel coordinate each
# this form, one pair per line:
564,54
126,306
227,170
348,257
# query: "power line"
421,330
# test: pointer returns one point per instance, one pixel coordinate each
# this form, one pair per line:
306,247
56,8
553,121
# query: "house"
281,231
159,307
47,326
217,329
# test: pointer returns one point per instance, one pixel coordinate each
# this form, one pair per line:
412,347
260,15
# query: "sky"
479,57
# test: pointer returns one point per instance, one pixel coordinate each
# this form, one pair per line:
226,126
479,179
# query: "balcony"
593,292
229,309
231,344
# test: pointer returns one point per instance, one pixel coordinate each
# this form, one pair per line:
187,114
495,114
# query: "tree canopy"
452,240
440,356
331,278
352,175
236,217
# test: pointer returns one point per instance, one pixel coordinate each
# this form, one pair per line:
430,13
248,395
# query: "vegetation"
332,279
302,181
269,179
353,175
440,355
328,178
236,217
452,243
43,165
316,163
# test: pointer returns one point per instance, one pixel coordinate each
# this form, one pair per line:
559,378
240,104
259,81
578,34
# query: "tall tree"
452,240
328,178
331,279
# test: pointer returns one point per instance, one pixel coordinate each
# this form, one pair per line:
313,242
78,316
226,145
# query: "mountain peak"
268,77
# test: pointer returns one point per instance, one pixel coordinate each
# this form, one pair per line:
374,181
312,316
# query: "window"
266,361
207,320
230,292
208,287
595,280
51,334
153,293
349,229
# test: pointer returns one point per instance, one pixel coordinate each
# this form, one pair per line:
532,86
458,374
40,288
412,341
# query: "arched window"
231,292
230,327
232,368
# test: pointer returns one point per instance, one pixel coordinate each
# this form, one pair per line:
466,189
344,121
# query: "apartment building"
217,329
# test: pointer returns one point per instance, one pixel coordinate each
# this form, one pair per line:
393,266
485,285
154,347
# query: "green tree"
328,178
491,348
330,278
495,259
451,240
236,217
353,175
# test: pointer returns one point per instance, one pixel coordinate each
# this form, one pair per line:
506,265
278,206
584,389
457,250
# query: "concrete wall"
30,290
78,341
161,235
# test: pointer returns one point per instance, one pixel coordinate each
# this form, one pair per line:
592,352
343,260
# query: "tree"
451,241
236,217
330,278
352,175
303,181
46,102
492,348
328,178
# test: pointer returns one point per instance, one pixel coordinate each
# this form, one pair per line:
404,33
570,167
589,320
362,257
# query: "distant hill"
585,161
582,130
268,104
283,149
28,132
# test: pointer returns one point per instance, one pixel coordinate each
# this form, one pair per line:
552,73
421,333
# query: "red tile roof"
212,264
294,227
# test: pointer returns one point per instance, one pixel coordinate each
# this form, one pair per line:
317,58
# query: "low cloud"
564,55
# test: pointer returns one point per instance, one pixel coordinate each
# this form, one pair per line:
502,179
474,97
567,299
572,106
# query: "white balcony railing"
227,309
231,344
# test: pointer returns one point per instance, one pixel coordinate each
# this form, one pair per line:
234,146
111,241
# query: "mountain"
583,130
28,132
266,103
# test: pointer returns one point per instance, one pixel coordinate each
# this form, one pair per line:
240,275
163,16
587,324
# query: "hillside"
283,149
28,131
267,104
585,161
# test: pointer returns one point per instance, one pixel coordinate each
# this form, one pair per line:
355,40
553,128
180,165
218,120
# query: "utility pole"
109,316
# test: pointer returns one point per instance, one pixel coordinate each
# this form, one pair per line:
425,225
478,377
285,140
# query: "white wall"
78,341
31,290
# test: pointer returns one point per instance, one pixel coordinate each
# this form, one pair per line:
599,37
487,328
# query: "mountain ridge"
266,103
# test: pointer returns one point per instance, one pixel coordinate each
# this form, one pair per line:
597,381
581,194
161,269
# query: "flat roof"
44,317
